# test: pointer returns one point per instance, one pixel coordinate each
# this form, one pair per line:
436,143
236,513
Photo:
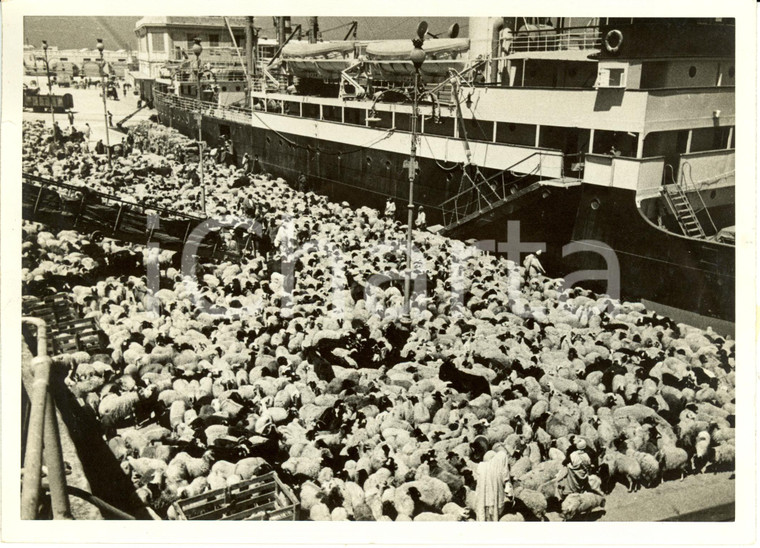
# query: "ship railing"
570,38
487,193
234,114
225,75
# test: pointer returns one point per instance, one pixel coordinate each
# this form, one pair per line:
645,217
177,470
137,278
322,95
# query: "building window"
382,120
515,134
478,130
119,60
292,108
213,40
310,111
86,59
444,127
64,59
240,40
157,41
331,113
355,116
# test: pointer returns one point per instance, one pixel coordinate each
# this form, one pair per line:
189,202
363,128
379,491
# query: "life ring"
613,40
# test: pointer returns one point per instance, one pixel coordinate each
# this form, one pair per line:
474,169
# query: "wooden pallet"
76,335
53,309
263,498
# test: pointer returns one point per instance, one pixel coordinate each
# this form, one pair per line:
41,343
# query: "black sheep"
463,382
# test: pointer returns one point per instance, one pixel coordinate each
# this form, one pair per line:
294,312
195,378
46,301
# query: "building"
76,60
163,40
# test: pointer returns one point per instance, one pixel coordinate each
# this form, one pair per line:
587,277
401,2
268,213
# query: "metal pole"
30,489
54,460
249,56
410,205
200,139
50,90
313,30
105,107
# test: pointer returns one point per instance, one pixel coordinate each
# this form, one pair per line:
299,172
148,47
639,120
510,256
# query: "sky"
118,32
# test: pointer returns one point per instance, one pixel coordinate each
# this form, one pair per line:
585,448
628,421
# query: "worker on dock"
421,221
390,209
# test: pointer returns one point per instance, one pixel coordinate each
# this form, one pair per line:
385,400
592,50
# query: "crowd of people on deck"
497,394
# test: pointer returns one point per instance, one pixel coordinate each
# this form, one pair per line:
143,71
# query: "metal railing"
557,39
233,114
687,185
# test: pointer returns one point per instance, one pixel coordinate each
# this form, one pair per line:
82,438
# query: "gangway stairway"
681,206
683,212
480,196
120,123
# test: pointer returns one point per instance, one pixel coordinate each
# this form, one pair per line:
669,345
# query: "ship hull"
656,265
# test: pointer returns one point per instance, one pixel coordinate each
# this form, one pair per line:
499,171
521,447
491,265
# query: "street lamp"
50,86
417,56
100,48
197,50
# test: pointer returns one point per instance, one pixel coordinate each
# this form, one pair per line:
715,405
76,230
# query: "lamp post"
50,86
100,48
197,50
417,56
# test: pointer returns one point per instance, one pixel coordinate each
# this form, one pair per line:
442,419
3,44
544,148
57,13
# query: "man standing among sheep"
533,266
494,485
390,209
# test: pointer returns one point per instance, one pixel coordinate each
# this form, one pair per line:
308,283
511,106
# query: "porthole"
731,72
692,71
712,194
281,142
595,203
269,141
224,88
369,161
387,164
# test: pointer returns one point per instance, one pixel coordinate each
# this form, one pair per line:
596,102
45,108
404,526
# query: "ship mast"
313,30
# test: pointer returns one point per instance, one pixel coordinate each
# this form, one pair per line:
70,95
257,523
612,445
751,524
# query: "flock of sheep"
213,379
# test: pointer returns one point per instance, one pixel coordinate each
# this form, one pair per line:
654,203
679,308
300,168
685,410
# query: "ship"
607,142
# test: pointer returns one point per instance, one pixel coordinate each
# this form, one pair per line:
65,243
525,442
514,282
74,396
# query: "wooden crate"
75,335
53,308
263,498
39,309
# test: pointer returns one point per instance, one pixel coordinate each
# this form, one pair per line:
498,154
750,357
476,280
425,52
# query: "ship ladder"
683,211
